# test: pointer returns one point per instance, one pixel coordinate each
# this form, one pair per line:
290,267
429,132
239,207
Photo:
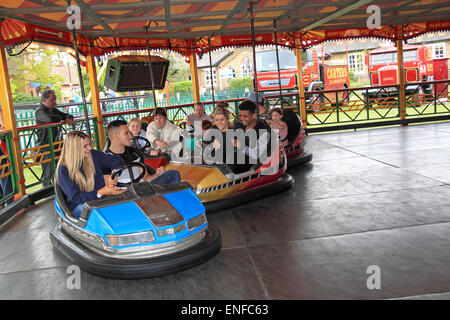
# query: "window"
208,77
356,62
227,73
246,68
439,50
267,60
391,57
382,58
408,55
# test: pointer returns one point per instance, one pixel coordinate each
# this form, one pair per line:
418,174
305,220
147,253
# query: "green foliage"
23,98
86,84
101,81
32,66
351,75
182,86
245,82
179,70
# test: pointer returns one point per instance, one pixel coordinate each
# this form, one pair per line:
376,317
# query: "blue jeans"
170,176
76,213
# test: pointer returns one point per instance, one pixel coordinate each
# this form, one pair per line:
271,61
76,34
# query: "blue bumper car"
147,231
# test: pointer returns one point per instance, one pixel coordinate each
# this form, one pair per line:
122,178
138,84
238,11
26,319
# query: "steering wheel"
135,143
129,167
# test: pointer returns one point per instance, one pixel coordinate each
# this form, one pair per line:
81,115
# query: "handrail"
50,124
355,111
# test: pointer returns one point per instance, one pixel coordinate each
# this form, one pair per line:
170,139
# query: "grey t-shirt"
193,119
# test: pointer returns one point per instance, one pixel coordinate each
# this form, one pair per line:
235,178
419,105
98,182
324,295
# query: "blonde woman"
79,172
218,133
221,117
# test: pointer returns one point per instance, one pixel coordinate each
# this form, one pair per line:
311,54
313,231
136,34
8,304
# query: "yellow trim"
9,117
198,176
301,88
194,76
210,183
95,94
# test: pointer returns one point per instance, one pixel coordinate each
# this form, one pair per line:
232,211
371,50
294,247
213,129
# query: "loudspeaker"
131,73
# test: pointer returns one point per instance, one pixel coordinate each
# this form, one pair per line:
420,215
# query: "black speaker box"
132,73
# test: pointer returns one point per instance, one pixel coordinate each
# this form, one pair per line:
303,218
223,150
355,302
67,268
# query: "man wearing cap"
263,112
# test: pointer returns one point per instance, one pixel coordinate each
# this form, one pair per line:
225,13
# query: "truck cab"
417,62
318,74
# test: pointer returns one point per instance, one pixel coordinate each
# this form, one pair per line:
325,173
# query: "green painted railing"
8,174
326,110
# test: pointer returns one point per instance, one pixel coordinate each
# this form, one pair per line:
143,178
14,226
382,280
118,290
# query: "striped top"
283,132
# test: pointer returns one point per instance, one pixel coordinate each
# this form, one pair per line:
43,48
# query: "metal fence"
8,175
376,106
25,112
326,110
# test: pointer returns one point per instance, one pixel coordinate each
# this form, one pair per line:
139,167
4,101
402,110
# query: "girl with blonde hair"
79,172
218,133
221,117
135,126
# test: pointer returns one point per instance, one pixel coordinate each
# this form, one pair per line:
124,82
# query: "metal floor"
376,197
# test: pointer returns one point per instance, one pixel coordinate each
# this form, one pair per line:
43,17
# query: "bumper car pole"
211,72
150,65
80,77
255,79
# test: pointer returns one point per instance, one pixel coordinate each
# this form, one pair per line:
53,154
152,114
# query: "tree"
179,70
33,66
244,82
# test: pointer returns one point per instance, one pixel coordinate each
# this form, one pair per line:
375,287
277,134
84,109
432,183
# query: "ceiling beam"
237,9
91,12
195,24
167,16
95,7
336,14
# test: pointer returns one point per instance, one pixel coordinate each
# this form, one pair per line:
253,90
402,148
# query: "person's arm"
260,147
190,122
173,133
278,125
171,137
152,133
71,189
64,115
67,118
106,160
152,136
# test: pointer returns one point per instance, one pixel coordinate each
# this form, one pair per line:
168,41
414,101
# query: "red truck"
418,64
318,74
